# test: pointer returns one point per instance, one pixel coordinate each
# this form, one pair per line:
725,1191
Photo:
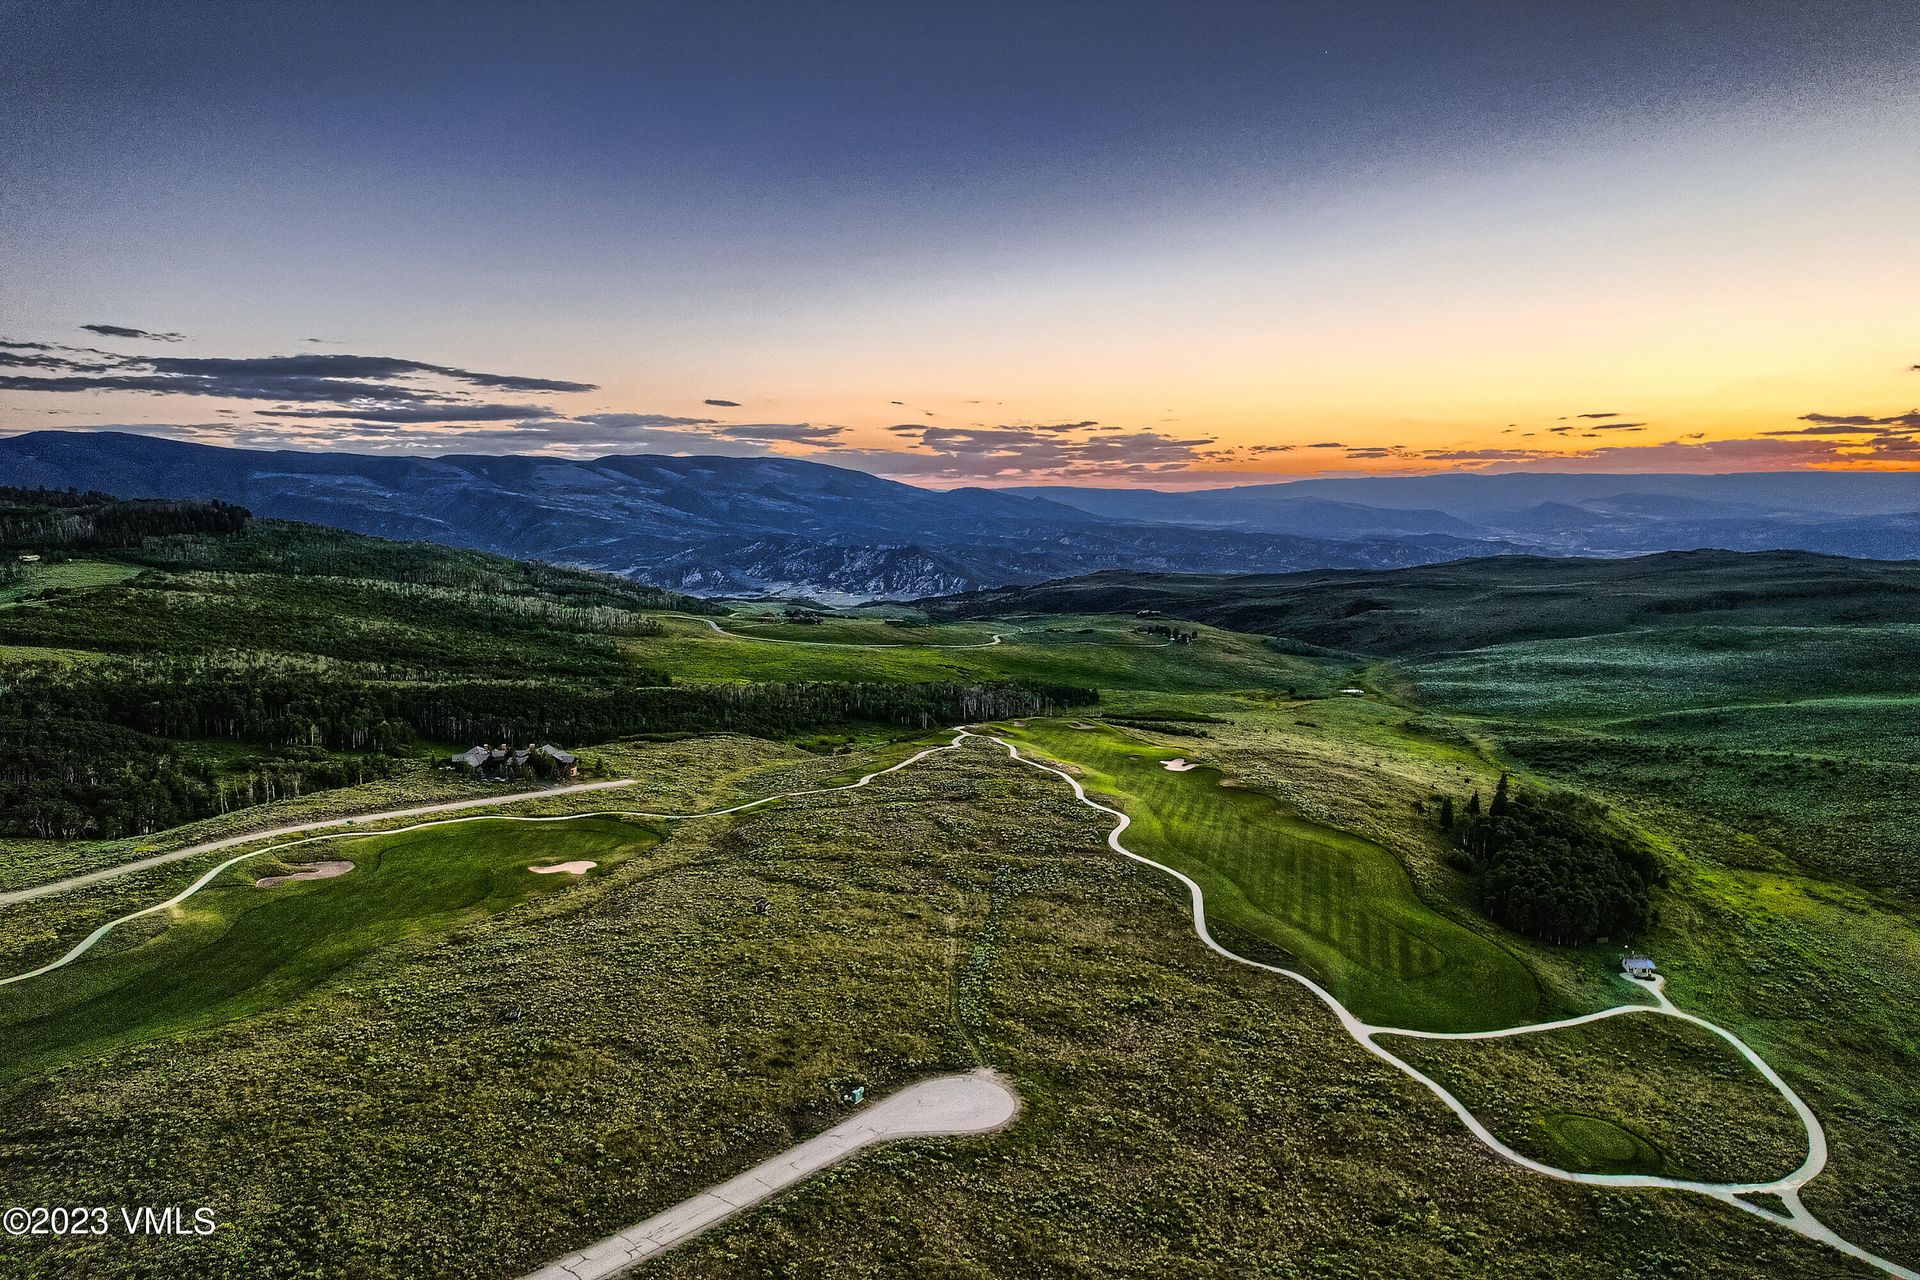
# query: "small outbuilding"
1641,967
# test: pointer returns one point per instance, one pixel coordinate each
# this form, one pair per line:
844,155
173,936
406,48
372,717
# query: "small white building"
1640,967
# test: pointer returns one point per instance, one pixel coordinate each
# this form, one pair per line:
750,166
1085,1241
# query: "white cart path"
944,1107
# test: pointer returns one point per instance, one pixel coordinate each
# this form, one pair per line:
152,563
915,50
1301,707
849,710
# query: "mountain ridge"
711,524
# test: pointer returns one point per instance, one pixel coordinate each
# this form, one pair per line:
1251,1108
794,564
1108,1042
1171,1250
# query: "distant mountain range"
1875,515
705,525
783,526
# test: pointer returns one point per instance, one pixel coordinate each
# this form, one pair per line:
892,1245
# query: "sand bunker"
1082,724
314,871
1178,765
569,868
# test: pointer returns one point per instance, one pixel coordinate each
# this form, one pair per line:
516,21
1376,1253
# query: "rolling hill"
707,525
1473,603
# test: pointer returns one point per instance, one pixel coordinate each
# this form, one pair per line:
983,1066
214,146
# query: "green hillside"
498,1065
1469,604
169,662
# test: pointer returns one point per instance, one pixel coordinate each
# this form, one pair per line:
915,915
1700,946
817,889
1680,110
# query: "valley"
855,893
659,641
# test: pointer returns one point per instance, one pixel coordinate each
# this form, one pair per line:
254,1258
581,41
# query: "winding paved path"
944,1107
1796,1218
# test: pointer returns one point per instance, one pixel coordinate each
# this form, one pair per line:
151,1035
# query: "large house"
497,760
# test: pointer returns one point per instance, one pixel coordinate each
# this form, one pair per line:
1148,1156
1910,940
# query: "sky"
1171,244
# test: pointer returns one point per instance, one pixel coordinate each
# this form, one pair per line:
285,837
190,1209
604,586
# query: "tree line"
318,705
110,748
1552,865
68,520
82,780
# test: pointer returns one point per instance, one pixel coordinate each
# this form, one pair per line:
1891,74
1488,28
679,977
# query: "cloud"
1611,413
29,360
642,421
1694,454
1027,451
1618,426
722,404
1910,420
822,434
1327,444
418,413
1472,456
599,433
122,331
380,381
55,357
1829,429
328,365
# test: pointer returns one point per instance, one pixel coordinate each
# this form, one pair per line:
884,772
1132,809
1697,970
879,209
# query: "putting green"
1342,906
233,949
1588,1144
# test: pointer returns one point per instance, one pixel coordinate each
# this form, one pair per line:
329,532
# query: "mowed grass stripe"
1342,905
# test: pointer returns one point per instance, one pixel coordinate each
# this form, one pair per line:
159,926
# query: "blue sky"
1212,235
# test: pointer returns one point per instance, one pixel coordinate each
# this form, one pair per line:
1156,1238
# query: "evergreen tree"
1552,866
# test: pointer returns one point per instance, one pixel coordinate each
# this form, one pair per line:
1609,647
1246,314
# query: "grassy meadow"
64,575
487,1068
480,1100
1637,1093
1103,652
1775,770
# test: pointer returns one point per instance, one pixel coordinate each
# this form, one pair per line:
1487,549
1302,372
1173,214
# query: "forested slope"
165,661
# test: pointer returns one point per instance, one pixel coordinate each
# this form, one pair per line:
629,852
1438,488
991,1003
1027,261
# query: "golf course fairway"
1342,906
